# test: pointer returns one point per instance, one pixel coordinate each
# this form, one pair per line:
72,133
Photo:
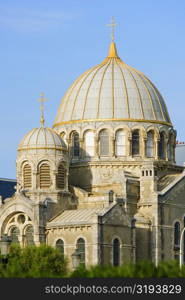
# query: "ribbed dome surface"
42,138
112,91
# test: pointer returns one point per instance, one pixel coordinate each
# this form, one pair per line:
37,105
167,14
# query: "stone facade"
106,189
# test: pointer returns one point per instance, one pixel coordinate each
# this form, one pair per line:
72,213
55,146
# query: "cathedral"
102,184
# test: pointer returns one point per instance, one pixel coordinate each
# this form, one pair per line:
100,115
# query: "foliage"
142,269
47,262
32,261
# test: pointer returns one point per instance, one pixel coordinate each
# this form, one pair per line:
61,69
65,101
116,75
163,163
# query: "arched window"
170,147
176,233
29,239
80,246
75,144
120,143
135,142
61,177
176,239
27,176
45,178
89,143
111,196
60,246
104,142
150,144
161,152
116,252
14,234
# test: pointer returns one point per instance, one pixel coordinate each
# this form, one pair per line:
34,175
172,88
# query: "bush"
142,269
32,261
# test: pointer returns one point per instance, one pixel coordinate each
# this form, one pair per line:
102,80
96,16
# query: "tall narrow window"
120,143
61,177
89,143
135,142
14,234
80,246
116,252
45,179
170,147
176,240
29,239
60,246
104,142
161,151
27,176
176,234
150,144
75,144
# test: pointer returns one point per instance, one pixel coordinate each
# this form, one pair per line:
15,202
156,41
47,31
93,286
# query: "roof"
78,216
7,187
112,91
166,180
42,138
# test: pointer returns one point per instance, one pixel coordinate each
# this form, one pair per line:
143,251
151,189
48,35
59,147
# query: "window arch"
89,143
150,144
60,246
135,142
45,178
27,176
120,143
61,177
116,252
161,146
29,238
75,144
104,142
14,234
80,247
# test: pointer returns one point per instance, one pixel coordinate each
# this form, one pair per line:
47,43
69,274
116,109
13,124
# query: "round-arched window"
14,234
150,144
27,176
161,146
89,143
75,145
120,143
45,177
104,142
29,238
80,247
135,142
61,177
60,246
116,252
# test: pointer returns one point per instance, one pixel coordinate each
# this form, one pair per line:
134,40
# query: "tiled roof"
7,187
78,216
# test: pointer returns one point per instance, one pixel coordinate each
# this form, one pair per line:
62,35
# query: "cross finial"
113,25
42,99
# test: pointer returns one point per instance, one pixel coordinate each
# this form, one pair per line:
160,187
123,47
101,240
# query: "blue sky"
45,45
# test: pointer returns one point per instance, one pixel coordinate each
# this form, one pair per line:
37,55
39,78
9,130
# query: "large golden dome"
112,91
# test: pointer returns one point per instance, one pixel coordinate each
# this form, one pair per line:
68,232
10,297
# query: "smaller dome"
42,138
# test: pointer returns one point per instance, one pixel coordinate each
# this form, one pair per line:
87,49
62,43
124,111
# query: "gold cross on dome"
42,99
113,25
